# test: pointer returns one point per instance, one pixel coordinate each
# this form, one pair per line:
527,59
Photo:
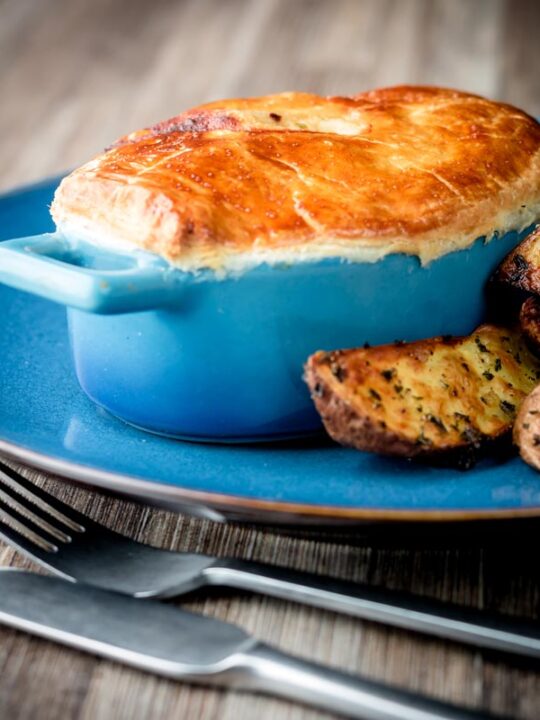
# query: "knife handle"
423,615
270,671
160,638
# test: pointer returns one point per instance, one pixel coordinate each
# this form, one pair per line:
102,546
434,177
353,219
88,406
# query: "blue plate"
47,421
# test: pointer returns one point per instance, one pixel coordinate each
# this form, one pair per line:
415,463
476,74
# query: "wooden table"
76,74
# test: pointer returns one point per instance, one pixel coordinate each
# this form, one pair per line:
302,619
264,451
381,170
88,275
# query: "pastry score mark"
132,179
305,215
306,180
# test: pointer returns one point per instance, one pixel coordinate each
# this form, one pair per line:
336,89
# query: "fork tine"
42,500
17,507
13,532
30,543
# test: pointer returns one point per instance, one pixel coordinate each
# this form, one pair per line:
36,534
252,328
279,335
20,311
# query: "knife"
163,639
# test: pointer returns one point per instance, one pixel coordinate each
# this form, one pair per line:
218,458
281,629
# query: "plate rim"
222,507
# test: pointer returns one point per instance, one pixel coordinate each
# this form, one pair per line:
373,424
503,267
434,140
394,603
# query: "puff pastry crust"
295,176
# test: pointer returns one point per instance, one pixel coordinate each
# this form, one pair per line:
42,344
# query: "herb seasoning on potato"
430,398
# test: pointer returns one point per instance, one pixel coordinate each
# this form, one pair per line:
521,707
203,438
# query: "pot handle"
86,277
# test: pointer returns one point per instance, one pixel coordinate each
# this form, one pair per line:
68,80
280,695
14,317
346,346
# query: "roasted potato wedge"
529,322
521,268
437,398
516,279
527,429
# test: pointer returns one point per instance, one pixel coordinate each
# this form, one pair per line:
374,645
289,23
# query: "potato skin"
526,433
529,321
442,399
347,426
521,268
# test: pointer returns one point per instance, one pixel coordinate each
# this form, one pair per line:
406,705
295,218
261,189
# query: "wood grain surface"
73,76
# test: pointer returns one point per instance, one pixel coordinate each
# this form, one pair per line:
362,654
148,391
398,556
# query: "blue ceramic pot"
202,358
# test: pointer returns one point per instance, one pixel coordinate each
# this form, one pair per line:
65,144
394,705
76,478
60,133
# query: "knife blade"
163,639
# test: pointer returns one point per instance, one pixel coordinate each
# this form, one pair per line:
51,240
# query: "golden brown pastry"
427,398
296,176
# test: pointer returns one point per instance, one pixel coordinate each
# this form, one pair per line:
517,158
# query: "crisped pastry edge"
226,261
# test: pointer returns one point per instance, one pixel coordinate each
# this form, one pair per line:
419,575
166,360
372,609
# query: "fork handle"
411,612
268,670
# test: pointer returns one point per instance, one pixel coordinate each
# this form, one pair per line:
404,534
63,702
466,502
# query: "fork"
78,549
